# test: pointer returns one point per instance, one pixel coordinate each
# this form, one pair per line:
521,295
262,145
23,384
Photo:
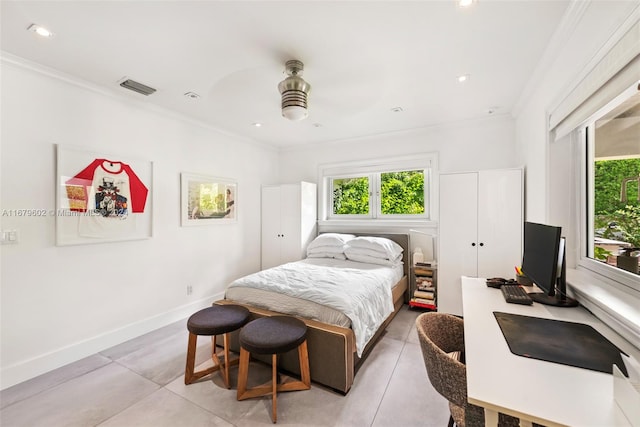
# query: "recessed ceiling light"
397,109
39,30
192,95
492,110
257,124
465,3
317,125
463,78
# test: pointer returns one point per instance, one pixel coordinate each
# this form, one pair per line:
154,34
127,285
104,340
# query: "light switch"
9,237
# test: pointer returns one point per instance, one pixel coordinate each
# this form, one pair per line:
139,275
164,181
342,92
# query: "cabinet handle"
473,244
481,244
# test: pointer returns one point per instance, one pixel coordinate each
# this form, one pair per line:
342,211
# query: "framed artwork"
208,200
101,198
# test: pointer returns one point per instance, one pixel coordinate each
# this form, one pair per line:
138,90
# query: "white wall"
480,144
552,167
60,304
465,146
588,27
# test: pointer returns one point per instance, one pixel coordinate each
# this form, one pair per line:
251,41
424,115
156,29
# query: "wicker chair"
441,337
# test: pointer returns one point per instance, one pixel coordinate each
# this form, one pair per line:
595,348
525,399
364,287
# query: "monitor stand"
555,300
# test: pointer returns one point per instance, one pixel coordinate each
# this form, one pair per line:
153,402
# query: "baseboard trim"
38,365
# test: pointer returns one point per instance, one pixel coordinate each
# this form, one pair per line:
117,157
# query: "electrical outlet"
189,289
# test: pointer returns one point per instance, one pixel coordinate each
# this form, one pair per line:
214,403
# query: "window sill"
617,308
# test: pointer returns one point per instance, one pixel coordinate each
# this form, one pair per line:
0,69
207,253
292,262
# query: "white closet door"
290,223
458,238
271,219
499,222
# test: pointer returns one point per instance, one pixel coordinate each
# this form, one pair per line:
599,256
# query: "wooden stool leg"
191,358
225,374
274,387
190,375
303,357
243,373
217,363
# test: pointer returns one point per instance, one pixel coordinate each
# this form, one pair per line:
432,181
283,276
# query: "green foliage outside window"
615,219
351,196
608,179
402,193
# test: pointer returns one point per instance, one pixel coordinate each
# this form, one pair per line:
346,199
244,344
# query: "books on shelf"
421,271
430,264
417,302
423,300
426,281
424,294
424,286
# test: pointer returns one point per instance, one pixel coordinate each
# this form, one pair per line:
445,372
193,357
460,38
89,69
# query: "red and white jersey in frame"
110,192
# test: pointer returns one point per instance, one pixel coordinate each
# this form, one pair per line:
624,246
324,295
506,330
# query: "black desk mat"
567,343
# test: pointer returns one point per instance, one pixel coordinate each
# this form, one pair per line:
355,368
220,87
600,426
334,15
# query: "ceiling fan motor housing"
294,90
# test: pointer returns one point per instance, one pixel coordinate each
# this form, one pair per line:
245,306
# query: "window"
399,189
379,195
350,195
402,193
612,139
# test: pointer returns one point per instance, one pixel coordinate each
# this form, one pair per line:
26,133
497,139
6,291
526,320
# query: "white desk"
533,390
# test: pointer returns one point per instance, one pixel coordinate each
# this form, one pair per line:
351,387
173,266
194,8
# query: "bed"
337,342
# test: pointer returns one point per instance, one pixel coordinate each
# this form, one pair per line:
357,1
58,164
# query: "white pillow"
329,249
352,250
320,254
374,260
330,239
388,248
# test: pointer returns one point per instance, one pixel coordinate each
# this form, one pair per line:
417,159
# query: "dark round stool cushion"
273,335
218,320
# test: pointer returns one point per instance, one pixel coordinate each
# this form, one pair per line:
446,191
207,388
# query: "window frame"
373,168
622,279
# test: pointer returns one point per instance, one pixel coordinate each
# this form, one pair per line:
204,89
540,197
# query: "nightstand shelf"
423,287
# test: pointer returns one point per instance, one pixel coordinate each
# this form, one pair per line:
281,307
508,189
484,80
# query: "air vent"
137,87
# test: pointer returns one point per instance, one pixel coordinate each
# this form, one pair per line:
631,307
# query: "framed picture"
101,198
208,200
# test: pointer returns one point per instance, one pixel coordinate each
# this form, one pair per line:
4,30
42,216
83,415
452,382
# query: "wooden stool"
273,335
213,321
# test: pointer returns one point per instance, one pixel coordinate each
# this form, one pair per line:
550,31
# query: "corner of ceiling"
568,23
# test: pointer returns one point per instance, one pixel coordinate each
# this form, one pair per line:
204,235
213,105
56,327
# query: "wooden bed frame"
333,359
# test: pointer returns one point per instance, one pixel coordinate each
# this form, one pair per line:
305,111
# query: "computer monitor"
545,264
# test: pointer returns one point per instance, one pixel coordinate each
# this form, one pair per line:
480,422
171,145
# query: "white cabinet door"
480,230
271,218
288,222
500,222
290,211
458,238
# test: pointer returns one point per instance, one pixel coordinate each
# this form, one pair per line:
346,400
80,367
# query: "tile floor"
140,383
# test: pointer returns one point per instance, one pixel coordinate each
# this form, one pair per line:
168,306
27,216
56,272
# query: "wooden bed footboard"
332,352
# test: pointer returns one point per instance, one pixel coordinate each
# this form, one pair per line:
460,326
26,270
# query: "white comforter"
361,291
